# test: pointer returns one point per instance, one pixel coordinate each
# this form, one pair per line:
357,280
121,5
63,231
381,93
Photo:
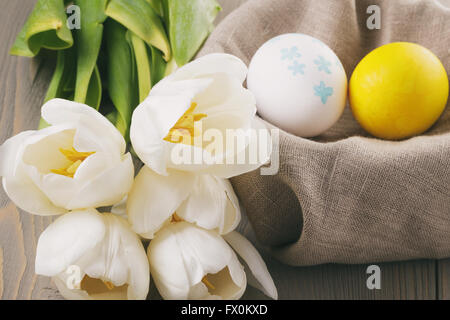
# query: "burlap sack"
344,196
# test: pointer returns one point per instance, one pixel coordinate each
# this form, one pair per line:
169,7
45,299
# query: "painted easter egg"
299,83
398,90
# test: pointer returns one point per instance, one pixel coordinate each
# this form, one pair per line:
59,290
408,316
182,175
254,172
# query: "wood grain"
444,277
1,271
409,280
23,83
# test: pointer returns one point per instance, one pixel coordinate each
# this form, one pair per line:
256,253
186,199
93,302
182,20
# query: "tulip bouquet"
79,168
118,47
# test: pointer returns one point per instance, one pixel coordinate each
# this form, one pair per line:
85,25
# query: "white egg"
299,83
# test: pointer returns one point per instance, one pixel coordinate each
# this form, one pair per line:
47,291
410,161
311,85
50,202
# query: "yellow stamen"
183,131
62,172
73,168
176,218
207,283
75,157
109,285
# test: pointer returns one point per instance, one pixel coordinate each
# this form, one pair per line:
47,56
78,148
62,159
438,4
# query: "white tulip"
191,112
78,162
188,262
93,256
205,200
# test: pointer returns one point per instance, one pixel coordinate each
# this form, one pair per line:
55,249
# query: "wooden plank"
399,281
443,276
23,83
19,232
405,280
409,280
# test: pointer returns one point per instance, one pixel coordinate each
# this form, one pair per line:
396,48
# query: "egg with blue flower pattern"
299,83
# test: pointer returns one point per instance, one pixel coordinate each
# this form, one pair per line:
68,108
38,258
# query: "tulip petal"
100,246
229,108
69,294
181,255
9,151
167,266
210,64
121,259
154,198
41,154
212,204
226,95
16,183
27,196
58,111
256,154
42,150
120,208
28,162
153,119
107,188
103,168
67,239
95,165
214,83
254,261
252,145
58,189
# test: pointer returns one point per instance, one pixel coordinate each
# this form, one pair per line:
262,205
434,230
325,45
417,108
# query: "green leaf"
46,27
112,116
122,86
189,24
170,67
139,17
56,86
142,58
94,93
63,75
165,14
158,65
88,42
43,124
157,6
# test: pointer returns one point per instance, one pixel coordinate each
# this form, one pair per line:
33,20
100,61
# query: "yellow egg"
398,90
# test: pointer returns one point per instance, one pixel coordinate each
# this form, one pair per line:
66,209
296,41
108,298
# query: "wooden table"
23,83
